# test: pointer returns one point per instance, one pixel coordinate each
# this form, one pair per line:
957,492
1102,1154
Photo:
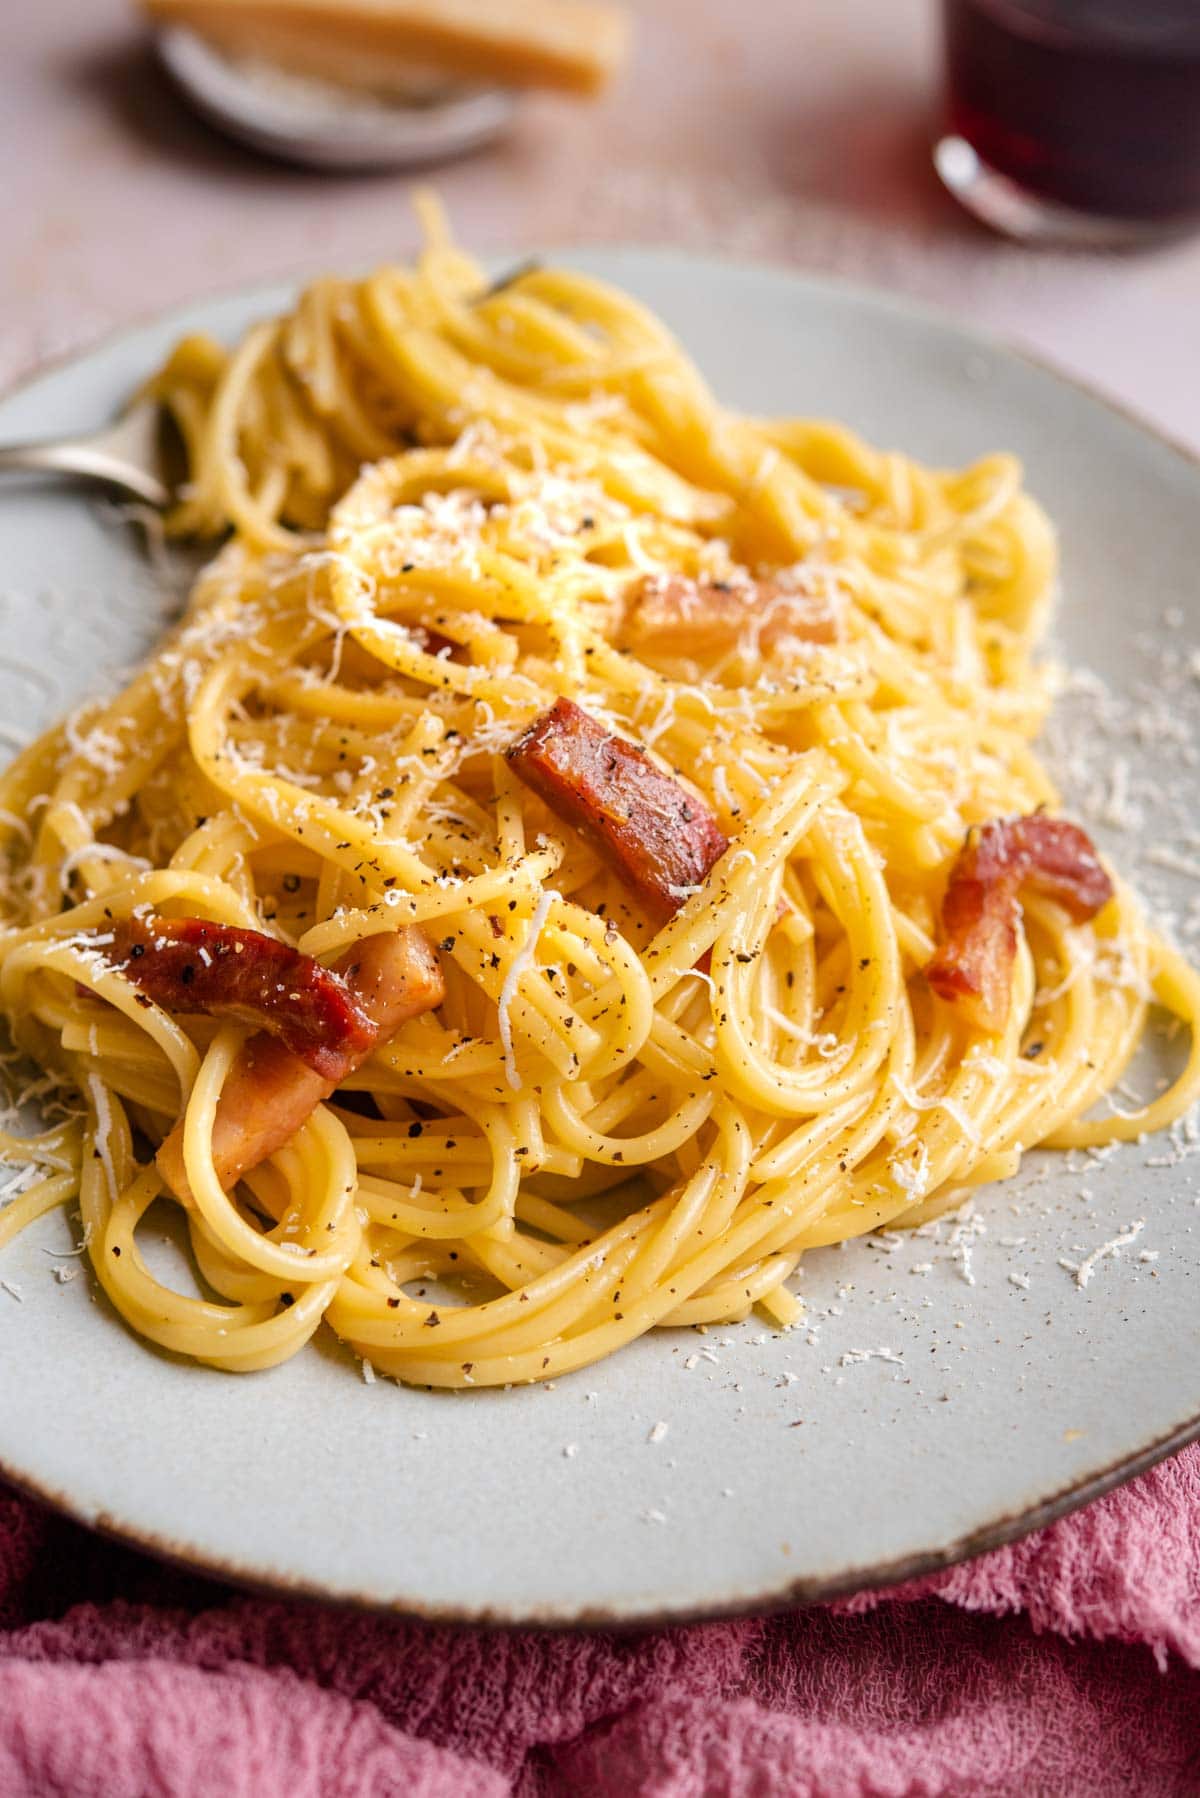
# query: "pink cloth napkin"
1066,1664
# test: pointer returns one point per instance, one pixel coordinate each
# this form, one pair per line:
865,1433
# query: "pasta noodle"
444,499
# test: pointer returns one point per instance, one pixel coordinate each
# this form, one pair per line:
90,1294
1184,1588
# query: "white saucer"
318,124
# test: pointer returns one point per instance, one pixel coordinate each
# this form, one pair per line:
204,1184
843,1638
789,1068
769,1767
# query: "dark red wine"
1094,104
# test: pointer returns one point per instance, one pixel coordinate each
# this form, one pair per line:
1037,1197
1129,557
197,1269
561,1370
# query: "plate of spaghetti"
618,951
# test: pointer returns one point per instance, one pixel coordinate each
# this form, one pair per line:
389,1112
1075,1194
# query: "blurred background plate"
320,125
946,1391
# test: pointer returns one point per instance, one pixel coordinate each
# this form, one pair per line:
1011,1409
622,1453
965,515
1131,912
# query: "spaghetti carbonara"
581,849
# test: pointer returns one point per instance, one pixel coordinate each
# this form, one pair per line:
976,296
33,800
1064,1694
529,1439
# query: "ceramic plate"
312,123
947,1390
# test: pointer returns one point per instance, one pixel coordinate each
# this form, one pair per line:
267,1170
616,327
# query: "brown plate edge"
798,1594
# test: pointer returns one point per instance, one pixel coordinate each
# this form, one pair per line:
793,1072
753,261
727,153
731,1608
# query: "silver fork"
129,455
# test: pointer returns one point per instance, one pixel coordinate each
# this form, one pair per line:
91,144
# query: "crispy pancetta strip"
189,964
270,1091
671,615
661,839
973,967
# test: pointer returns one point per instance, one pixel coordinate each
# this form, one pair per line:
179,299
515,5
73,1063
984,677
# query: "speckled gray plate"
949,1390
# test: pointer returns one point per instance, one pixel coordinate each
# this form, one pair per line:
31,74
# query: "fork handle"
89,460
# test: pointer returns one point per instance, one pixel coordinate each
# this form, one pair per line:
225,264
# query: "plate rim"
799,1593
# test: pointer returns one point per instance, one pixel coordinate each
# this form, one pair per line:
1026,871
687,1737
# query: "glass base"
1000,202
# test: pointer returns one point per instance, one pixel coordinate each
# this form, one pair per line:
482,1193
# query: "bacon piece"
974,964
661,839
188,964
270,1091
670,615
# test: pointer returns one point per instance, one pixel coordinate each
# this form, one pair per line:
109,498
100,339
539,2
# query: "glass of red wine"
1074,121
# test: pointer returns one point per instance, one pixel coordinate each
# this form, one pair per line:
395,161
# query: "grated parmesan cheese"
1083,1270
520,961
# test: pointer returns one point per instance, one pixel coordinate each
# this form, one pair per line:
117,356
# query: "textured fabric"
1068,1663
